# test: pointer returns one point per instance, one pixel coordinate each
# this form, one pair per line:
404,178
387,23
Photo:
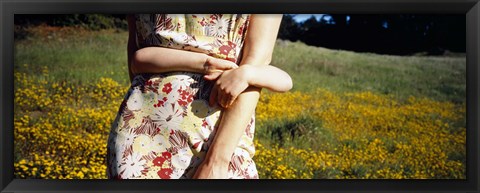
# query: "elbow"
134,63
289,84
140,57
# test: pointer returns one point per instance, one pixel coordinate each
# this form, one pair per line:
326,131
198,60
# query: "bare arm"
258,49
160,59
263,76
269,77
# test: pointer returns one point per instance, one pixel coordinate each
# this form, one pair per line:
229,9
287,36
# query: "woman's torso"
165,125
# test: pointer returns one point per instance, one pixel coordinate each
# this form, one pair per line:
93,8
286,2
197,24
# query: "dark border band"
469,7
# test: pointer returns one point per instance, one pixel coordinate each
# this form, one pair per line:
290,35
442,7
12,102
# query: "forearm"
235,119
233,122
269,77
160,59
232,125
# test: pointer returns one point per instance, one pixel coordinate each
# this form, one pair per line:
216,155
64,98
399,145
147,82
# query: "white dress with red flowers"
164,125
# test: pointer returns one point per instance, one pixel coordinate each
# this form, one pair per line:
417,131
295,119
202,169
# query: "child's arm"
269,77
233,82
263,76
160,59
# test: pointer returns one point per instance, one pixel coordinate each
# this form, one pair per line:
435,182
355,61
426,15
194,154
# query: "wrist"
248,73
206,59
217,157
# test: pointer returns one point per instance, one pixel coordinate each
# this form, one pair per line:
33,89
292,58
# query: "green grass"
78,59
304,132
439,78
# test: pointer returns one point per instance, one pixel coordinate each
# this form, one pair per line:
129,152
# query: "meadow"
349,116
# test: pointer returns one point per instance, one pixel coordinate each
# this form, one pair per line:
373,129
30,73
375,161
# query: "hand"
214,67
211,171
229,85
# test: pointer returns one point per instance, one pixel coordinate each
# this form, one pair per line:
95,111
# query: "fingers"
224,99
228,99
212,76
224,64
214,72
232,99
210,73
224,91
220,97
229,65
209,69
219,64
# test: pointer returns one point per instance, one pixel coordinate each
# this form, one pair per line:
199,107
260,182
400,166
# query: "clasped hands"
230,80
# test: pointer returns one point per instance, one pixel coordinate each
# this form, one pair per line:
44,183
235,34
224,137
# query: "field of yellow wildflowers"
338,123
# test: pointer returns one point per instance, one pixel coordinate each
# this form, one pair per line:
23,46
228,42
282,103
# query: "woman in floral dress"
195,82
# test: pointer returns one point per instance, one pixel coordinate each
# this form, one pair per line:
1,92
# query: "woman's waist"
159,79
175,86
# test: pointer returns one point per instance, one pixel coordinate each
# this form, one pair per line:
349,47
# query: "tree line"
89,21
396,34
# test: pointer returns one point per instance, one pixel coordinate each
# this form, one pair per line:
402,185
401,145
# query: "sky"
302,17
299,18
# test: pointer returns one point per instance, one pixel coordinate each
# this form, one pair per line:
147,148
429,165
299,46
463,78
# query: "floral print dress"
164,125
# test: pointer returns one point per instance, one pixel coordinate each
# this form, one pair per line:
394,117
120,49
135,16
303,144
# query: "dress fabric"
164,125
